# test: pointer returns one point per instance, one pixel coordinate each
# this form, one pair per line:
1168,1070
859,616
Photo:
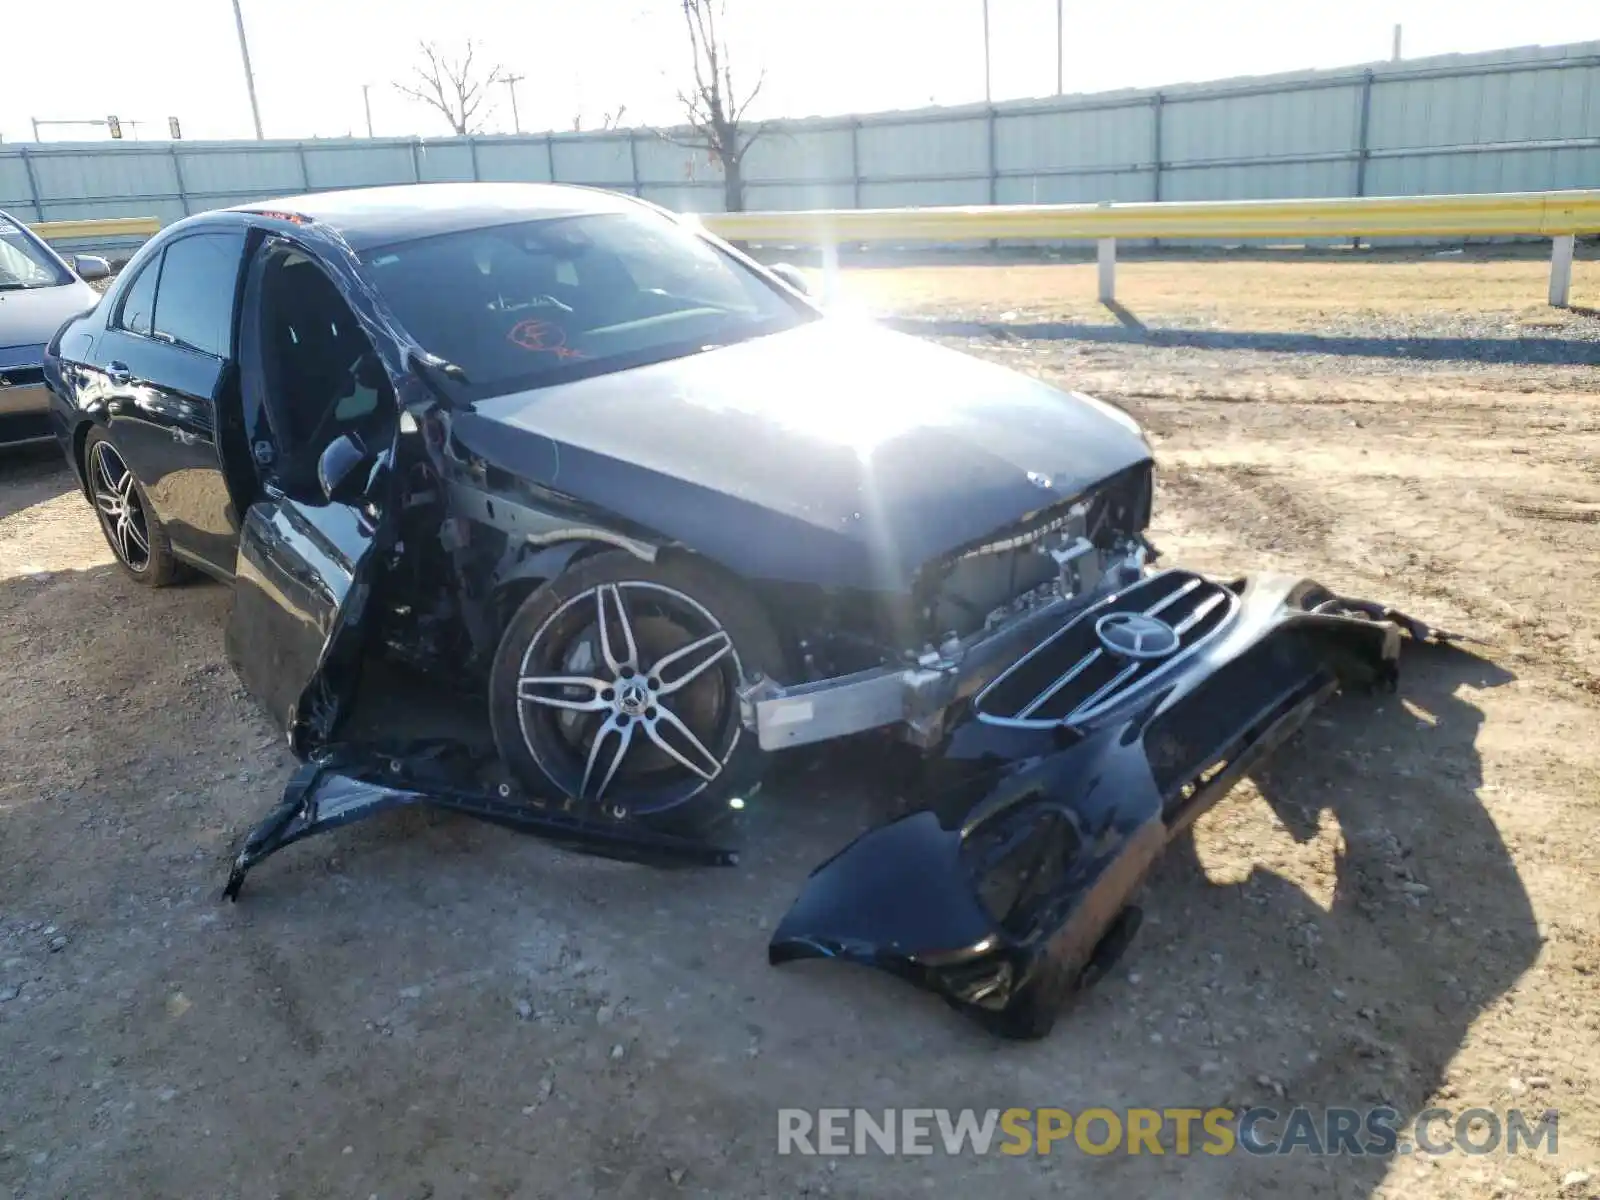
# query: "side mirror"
90,267
344,469
791,275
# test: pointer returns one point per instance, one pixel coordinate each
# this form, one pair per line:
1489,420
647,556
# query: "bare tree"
713,107
453,86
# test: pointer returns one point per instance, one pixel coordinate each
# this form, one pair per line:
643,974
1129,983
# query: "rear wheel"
131,528
616,686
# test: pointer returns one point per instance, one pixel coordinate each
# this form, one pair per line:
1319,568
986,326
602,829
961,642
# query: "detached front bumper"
1068,775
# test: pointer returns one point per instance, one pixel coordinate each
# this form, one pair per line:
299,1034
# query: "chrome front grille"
1072,675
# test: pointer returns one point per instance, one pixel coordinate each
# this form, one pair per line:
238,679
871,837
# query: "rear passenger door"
166,365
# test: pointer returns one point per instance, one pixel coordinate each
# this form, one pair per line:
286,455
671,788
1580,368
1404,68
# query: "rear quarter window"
138,303
194,298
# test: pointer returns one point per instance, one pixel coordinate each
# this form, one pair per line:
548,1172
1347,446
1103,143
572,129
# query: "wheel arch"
511,584
80,449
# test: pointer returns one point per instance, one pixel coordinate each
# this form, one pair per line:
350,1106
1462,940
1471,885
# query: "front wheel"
616,685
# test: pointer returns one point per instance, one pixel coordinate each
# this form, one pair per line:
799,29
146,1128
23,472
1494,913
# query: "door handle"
118,373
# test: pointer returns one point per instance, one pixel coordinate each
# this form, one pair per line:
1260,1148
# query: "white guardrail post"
1106,253
1107,250
830,270
1561,269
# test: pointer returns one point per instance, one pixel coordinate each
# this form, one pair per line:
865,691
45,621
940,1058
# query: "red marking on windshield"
542,337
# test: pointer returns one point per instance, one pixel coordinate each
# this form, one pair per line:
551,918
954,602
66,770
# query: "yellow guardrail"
1556,215
1547,214
62,231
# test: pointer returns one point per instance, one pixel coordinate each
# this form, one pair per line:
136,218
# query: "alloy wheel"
116,500
627,697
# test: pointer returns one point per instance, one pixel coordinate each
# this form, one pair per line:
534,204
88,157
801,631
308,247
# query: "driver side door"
311,546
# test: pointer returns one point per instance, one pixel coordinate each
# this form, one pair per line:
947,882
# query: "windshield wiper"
20,286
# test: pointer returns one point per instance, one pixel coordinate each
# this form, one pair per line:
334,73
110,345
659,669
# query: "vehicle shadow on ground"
30,475
1429,922
1515,351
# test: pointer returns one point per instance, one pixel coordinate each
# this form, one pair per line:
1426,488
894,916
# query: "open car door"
322,424
304,575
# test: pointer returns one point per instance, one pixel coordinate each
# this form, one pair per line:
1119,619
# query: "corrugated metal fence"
1514,120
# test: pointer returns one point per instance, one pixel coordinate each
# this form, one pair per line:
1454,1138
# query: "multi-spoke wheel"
132,530
617,685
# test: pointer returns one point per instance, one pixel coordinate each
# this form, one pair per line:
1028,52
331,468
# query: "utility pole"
249,75
366,102
1061,50
511,82
988,91
1396,55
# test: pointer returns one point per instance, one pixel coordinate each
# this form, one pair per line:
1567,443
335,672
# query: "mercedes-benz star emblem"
1136,635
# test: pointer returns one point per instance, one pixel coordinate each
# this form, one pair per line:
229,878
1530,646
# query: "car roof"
379,216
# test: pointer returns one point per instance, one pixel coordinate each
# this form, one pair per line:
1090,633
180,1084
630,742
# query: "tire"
135,534
654,734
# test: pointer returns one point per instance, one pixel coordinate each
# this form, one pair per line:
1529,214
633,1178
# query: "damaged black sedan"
563,449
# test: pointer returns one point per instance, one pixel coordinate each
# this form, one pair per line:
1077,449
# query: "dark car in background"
38,292
560,449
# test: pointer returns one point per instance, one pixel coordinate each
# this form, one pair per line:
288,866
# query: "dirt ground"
1403,908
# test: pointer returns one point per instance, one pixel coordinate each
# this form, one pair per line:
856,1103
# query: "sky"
585,58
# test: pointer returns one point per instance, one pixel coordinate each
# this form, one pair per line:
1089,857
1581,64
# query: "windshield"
517,306
23,264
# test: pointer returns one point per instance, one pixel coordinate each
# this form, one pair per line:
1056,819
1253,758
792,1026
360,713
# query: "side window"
139,301
194,304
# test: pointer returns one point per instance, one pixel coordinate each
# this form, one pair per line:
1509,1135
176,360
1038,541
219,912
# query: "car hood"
31,317
837,452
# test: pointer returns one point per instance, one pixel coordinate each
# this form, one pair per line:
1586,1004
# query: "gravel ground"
1402,908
